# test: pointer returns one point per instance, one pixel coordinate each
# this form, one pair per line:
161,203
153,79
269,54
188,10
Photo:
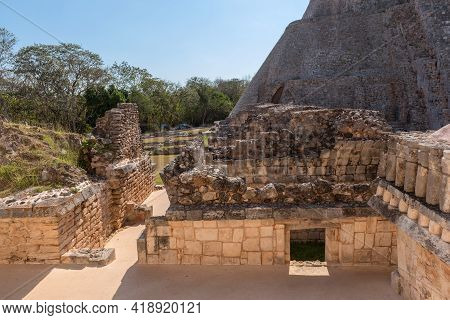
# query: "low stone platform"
90,257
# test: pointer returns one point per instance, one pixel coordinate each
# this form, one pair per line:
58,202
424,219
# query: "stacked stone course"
414,193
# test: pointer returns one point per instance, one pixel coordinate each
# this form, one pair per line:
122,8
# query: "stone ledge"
277,212
49,207
89,257
412,229
432,212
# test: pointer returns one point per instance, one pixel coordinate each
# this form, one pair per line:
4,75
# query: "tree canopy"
68,87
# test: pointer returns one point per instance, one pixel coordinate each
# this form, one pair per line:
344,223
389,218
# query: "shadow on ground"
252,282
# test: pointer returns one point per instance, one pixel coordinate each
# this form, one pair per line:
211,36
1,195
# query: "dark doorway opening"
308,245
277,96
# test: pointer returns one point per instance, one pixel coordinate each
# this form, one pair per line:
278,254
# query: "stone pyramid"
386,55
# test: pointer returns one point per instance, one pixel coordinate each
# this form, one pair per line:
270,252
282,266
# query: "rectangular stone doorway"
307,245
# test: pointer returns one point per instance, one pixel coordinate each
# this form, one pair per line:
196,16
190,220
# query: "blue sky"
174,39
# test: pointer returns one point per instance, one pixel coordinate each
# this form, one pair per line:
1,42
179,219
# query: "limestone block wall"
348,241
348,161
29,240
129,181
42,229
423,275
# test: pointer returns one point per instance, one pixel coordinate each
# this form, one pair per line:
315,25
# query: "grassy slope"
26,151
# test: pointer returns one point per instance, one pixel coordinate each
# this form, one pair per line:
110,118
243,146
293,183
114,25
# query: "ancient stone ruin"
70,225
312,145
392,56
273,170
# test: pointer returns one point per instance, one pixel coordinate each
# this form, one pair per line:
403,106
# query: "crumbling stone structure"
391,56
273,171
71,224
270,171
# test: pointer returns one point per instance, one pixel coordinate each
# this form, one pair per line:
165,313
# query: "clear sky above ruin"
173,39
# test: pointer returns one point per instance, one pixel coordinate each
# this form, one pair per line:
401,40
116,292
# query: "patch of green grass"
68,156
16,176
158,179
49,141
307,251
161,162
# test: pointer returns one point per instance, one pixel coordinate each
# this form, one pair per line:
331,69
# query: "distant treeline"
67,87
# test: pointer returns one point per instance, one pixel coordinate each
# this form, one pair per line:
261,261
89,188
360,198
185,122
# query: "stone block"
433,186
445,235
206,234
230,261
421,182
251,244
236,223
410,177
193,247
238,235
266,244
372,224
423,220
266,231
280,258
387,196
251,232
189,233
226,234
254,258
267,258
280,239
178,233
346,253
435,228
191,259
413,213
252,223
210,260
383,239
363,256
209,224
168,257
385,226
152,259
347,233
164,231
381,255
232,249
444,197
359,240
403,206
212,248
360,226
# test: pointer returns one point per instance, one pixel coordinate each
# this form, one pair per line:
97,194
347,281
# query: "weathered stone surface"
378,74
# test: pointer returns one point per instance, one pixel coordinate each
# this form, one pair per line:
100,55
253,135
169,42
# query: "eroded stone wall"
391,56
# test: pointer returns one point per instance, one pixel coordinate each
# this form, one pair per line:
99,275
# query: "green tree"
55,77
127,77
99,99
